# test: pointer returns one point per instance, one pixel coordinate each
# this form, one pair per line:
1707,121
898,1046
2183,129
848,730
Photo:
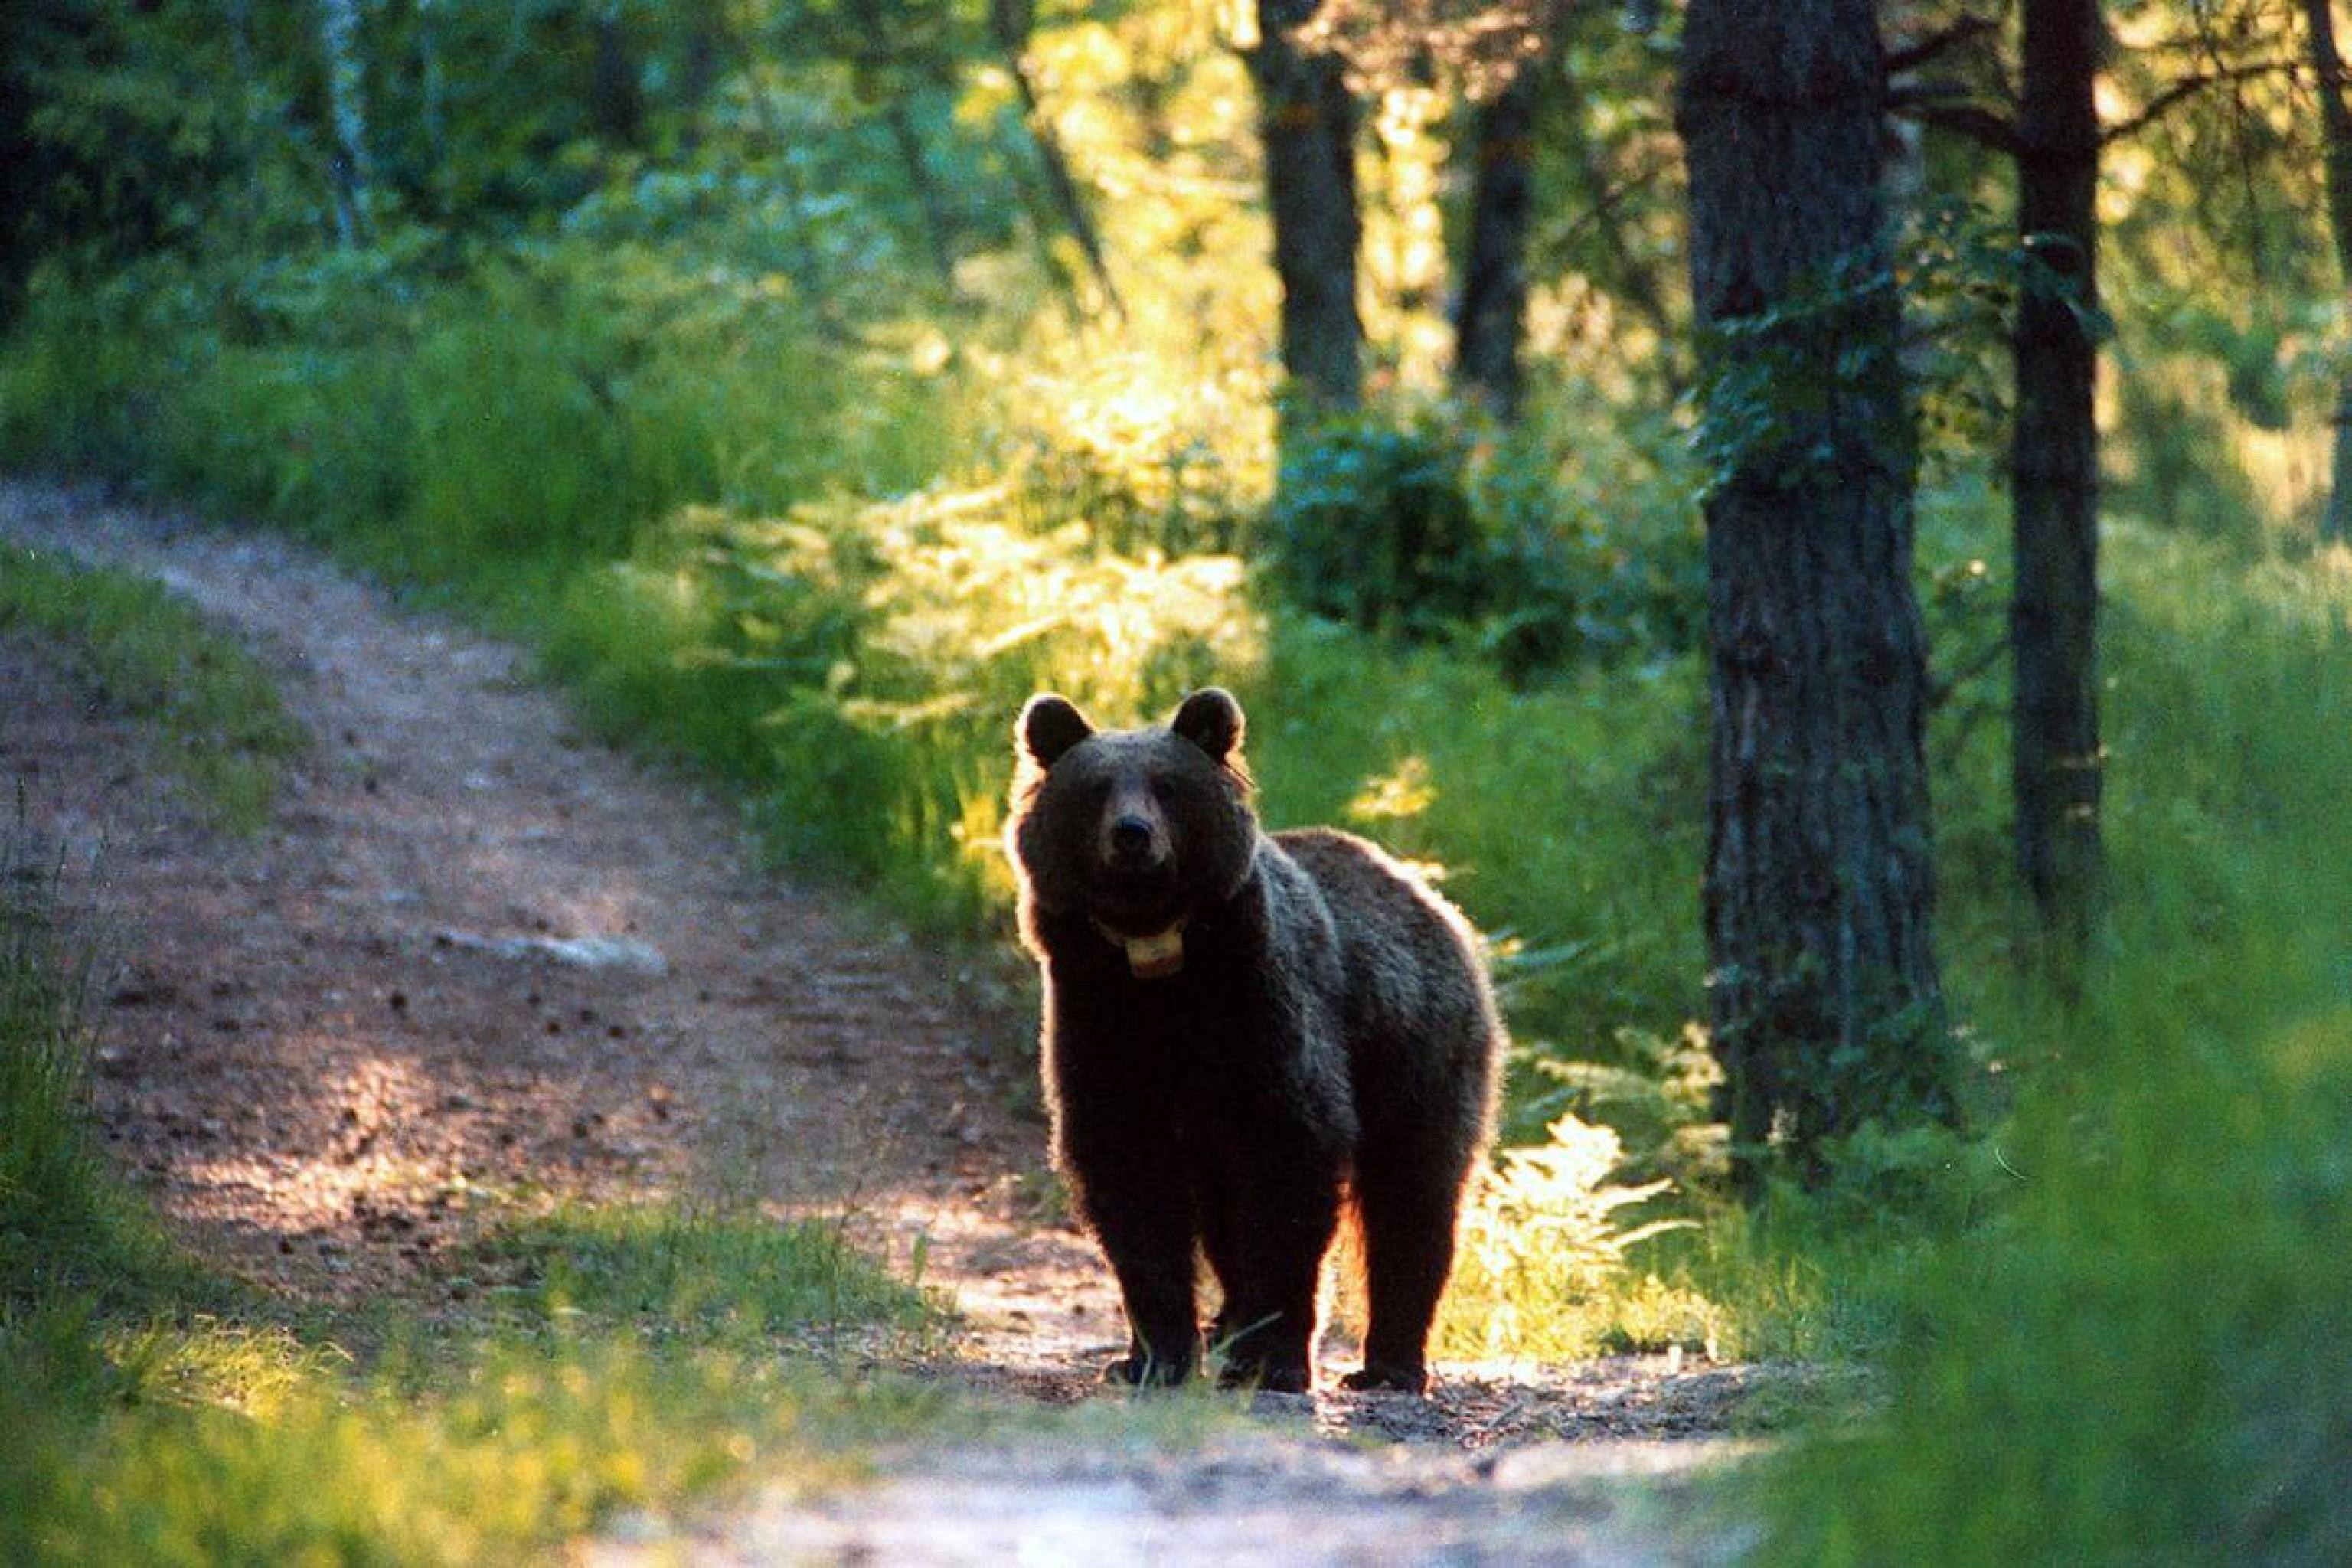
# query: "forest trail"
477,959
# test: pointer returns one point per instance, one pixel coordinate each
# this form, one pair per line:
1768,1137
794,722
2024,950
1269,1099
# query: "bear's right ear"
1050,725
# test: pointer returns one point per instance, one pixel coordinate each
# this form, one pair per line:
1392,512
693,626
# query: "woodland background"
812,382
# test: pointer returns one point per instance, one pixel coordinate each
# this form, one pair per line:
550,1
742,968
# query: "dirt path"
477,954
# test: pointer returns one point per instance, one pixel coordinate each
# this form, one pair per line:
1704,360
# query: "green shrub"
1372,526
1434,529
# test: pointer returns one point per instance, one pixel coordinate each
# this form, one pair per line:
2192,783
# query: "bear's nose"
1131,838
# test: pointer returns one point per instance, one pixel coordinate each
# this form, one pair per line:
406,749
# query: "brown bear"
1242,1033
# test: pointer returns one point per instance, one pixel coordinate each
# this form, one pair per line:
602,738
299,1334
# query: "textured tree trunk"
1490,316
2056,762
1309,127
1823,989
2335,129
616,105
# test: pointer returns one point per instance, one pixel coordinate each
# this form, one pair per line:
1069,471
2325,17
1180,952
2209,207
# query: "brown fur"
1327,1036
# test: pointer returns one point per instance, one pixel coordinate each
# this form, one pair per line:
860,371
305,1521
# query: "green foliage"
2140,1357
219,720
1542,1267
875,654
1372,526
1433,528
63,1224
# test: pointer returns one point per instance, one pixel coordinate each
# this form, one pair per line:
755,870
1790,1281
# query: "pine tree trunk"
1823,995
2056,762
1309,127
2336,130
1491,314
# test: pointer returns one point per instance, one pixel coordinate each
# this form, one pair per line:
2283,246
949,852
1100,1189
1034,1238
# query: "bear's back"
1421,1019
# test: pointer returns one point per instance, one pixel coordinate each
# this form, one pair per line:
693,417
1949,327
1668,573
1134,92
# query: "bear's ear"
1050,725
1212,720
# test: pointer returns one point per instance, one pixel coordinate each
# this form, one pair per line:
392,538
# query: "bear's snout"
1134,834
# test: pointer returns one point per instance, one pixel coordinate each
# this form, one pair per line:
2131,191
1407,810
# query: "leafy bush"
1433,530
1372,526
1542,1269
863,663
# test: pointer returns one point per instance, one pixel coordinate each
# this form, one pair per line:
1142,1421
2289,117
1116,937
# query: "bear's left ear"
1212,720
1050,725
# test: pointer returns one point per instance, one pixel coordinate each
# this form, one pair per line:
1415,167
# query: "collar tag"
1154,957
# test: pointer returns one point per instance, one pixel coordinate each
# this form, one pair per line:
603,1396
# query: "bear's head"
1136,830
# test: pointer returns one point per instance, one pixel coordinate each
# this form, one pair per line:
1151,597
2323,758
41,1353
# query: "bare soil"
477,959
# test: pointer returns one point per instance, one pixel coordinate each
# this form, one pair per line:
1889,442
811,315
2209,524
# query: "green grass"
265,1452
214,709
704,1270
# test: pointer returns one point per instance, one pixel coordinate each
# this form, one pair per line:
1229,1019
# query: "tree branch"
2181,91
1920,51
1942,109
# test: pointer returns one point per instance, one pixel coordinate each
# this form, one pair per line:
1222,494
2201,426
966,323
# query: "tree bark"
2336,130
1490,316
1308,121
2056,761
616,105
1823,989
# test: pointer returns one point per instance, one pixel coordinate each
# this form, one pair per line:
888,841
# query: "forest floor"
477,959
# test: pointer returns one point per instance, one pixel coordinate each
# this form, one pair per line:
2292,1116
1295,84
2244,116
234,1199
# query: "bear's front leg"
1149,1240
1274,1218
1120,1168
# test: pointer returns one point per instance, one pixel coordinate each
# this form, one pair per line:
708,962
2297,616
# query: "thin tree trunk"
2336,130
617,106
1308,121
2056,761
1490,316
939,225
339,42
1636,279
1823,989
1011,21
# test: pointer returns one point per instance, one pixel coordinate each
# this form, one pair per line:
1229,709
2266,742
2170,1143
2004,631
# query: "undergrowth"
2139,1357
